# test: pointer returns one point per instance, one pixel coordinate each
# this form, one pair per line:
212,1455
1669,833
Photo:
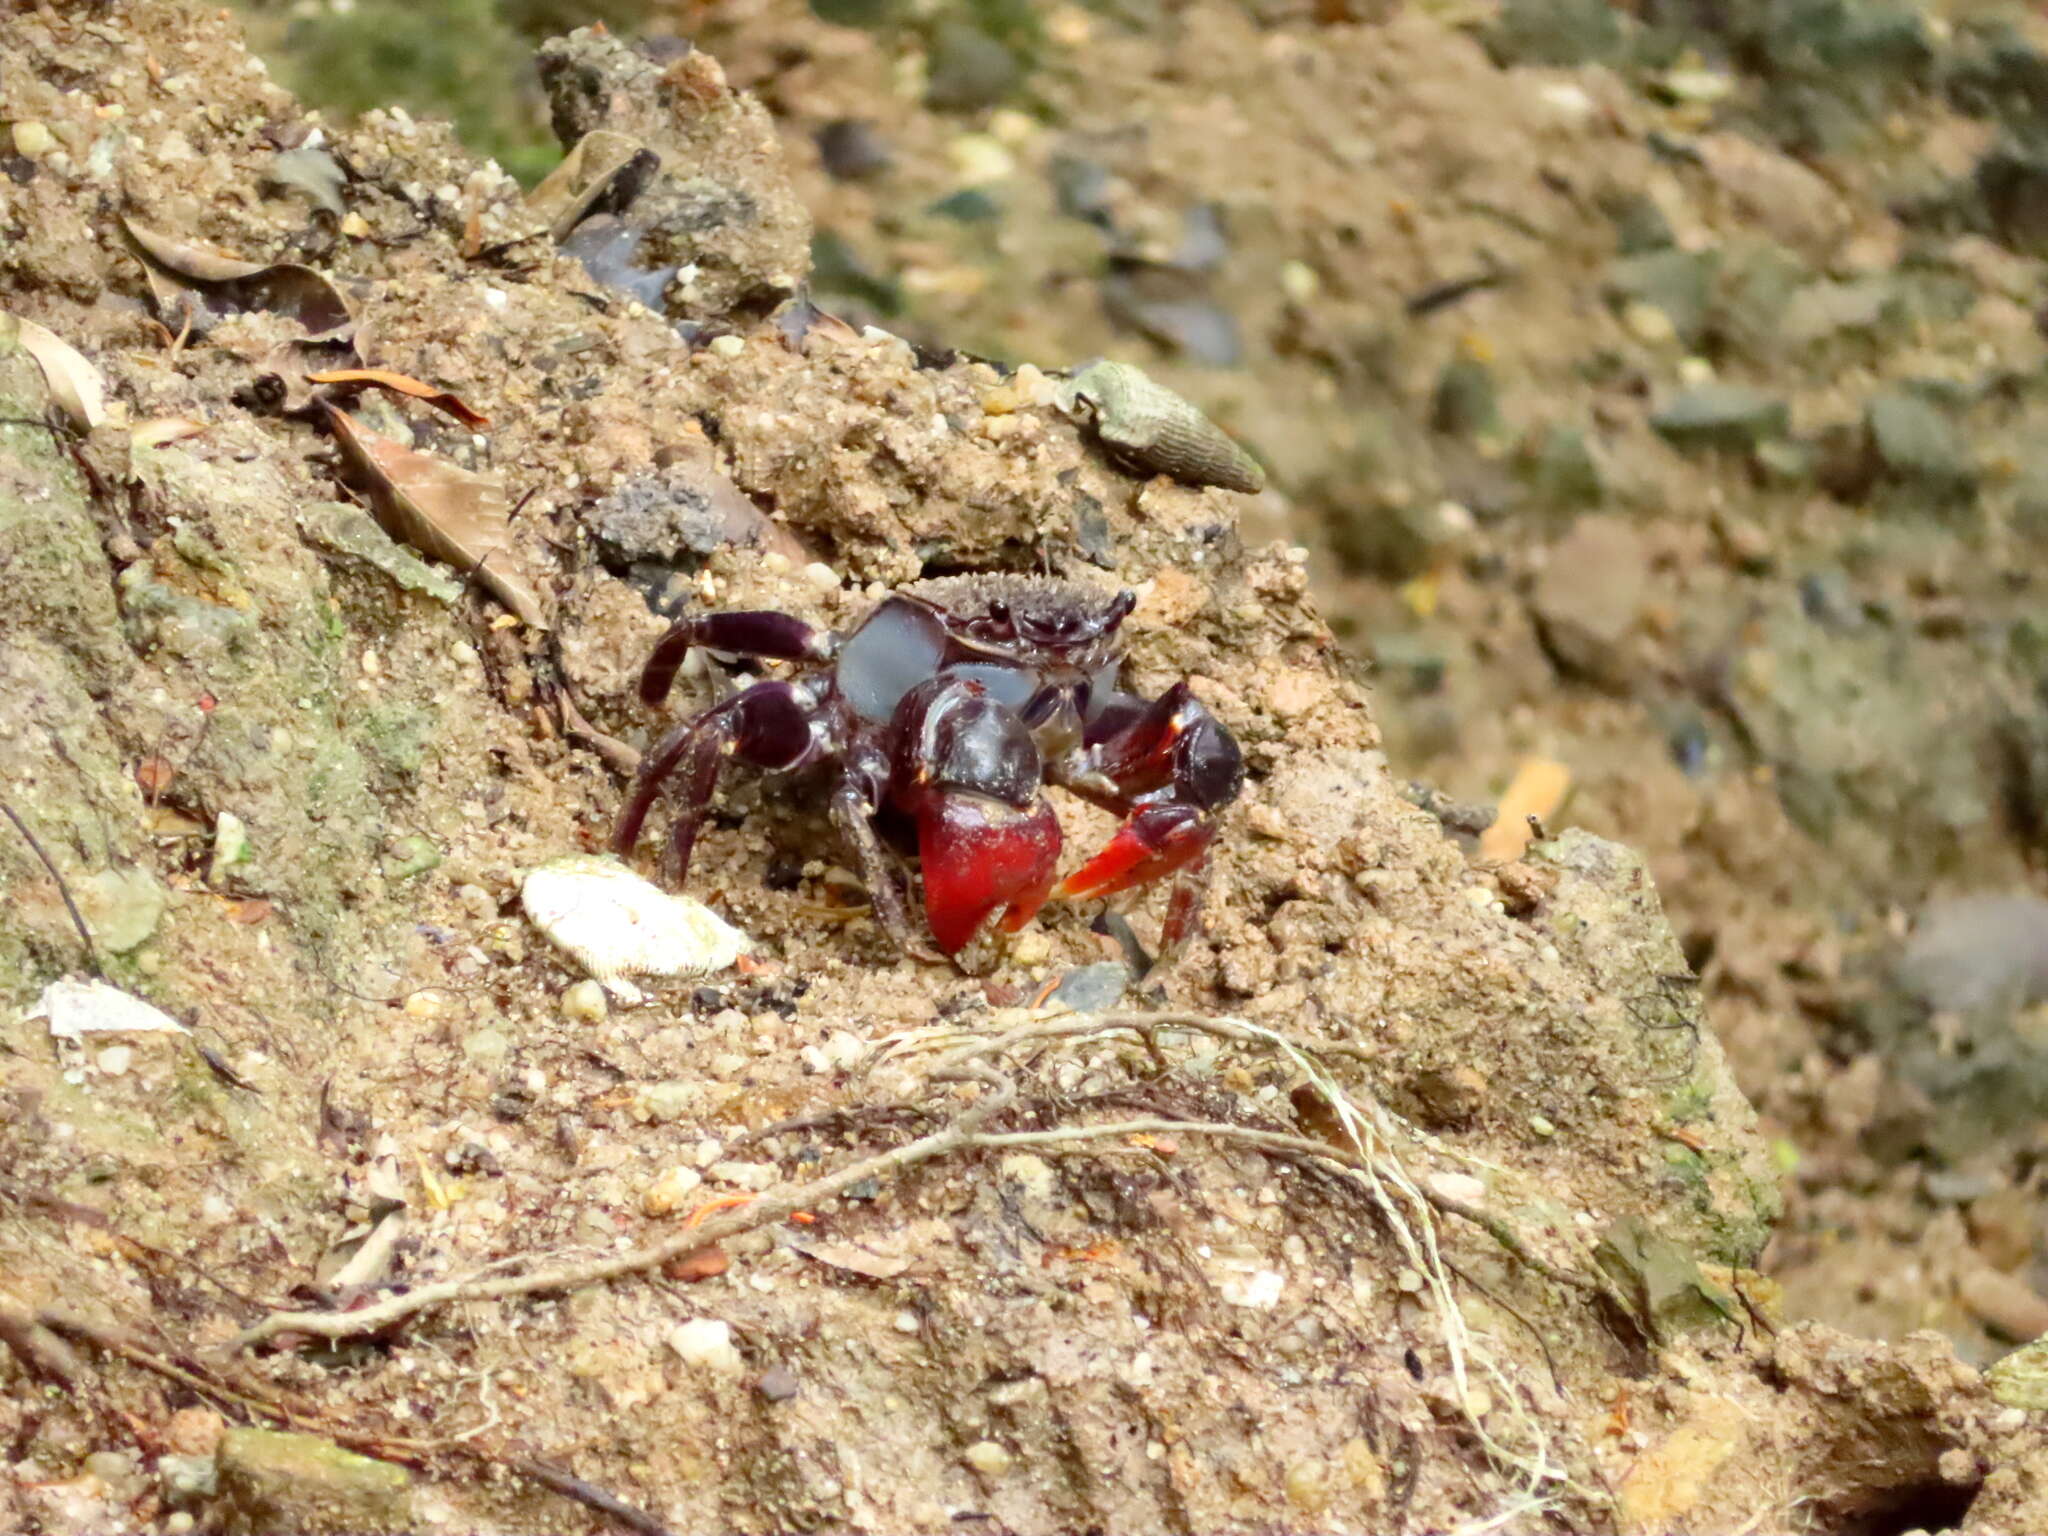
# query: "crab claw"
1155,841
981,855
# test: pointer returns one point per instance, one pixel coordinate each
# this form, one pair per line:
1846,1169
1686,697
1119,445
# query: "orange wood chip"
1537,789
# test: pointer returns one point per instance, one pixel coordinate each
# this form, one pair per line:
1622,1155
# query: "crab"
938,720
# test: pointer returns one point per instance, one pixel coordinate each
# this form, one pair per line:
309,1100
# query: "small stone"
33,139
665,1101
754,1176
116,1059
1449,1099
822,576
272,1481
230,848
2020,1380
584,1003
1916,443
1308,1485
988,1457
670,1192
194,1431
706,1341
1542,1125
487,1048
184,1479
778,1385
907,1322
1462,1188
1722,416
728,346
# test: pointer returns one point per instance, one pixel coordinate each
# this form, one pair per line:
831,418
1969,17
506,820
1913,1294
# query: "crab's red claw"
1155,841
980,856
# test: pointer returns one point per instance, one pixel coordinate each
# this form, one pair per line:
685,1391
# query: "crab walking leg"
1171,767
853,811
767,725
753,632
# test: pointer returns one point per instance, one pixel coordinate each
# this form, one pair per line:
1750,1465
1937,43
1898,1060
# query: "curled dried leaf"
197,286
159,430
75,385
404,384
602,174
444,512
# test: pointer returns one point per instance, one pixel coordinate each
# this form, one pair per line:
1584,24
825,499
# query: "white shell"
76,1008
615,924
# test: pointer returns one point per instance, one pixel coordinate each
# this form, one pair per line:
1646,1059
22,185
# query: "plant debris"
447,513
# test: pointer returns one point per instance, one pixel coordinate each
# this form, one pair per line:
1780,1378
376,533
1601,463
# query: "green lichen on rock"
271,1481
1721,1201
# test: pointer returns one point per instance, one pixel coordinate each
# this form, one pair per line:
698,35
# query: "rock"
677,515
721,208
778,1385
230,848
989,1458
706,1342
1722,416
1466,404
122,907
2004,1303
852,150
1589,598
671,1191
969,70
1975,952
584,1002
1678,283
272,1481
1556,32
1563,474
1917,445
2020,1379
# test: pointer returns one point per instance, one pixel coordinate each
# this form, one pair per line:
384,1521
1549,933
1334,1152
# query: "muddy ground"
1608,428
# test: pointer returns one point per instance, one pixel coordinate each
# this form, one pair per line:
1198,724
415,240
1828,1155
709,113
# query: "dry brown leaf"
194,284
445,513
404,384
603,173
75,385
159,430
853,1258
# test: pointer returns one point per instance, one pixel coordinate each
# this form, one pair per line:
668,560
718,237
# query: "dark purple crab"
940,718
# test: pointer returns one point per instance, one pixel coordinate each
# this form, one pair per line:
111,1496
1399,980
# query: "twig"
767,1209
414,1453
92,957
591,1496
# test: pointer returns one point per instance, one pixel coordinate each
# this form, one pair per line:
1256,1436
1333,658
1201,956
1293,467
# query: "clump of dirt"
1415,1195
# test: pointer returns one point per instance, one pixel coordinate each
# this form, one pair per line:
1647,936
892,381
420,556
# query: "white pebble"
706,1341
584,1003
988,1457
668,1194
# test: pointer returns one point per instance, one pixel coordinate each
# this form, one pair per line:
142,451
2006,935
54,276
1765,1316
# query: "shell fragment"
79,1008
615,924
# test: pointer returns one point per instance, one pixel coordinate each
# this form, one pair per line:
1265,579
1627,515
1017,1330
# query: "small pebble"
1542,1125
33,139
706,1341
670,1192
988,1457
906,1322
821,576
584,1003
116,1059
777,1385
728,346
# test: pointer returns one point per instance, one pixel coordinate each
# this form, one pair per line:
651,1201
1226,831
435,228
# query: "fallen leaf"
602,174
313,172
440,399
853,1258
699,1264
249,913
74,384
159,430
1537,789
446,513
199,287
